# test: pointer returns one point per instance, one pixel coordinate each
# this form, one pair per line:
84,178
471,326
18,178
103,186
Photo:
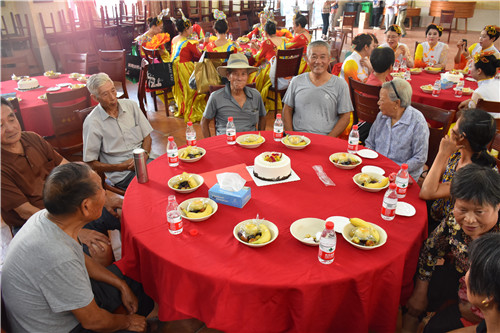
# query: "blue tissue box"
235,199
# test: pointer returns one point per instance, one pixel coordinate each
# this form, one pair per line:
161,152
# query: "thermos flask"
141,169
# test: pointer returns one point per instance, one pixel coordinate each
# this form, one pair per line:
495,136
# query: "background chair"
287,65
446,21
113,63
495,144
347,23
364,99
491,107
438,116
79,63
17,111
14,65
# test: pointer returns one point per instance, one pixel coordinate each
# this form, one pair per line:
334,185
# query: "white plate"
199,179
272,227
297,147
382,233
339,222
53,88
367,153
372,169
307,226
343,166
184,204
468,78
241,139
405,209
192,160
63,84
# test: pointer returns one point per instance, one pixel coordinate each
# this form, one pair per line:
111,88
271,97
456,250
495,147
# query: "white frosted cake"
272,166
27,83
451,77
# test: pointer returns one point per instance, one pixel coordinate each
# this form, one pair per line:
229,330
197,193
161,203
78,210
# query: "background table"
34,111
281,287
446,99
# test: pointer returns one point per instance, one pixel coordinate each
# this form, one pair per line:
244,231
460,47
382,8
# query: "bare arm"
340,125
105,167
262,123
288,118
460,50
443,57
26,210
417,303
205,127
146,143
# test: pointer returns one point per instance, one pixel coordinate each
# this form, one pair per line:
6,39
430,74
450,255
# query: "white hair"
403,89
96,81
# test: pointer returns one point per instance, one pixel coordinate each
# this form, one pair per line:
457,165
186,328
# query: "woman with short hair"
464,57
432,52
401,50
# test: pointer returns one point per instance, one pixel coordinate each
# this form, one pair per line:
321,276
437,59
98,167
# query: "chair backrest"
14,65
112,62
151,55
336,44
244,25
217,58
280,21
66,121
446,18
17,111
349,19
491,107
495,144
207,26
75,63
287,63
364,100
436,115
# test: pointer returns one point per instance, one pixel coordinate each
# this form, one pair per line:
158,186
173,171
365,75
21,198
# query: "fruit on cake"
27,83
272,166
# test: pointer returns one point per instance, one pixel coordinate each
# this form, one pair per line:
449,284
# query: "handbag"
133,65
160,76
205,75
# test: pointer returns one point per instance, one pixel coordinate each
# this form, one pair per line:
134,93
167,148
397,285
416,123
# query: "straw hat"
236,61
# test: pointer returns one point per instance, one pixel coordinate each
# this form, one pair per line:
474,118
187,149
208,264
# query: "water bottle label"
278,135
173,159
191,142
175,225
401,190
388,212
352,147
231,138
326,255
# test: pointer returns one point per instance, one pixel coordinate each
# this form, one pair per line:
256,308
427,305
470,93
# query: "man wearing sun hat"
235,100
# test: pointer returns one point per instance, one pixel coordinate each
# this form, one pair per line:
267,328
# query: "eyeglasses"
394,87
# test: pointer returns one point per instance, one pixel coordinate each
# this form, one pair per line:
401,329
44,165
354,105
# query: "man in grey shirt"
112,131
317,102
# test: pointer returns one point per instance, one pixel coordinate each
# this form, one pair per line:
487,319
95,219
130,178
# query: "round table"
281,287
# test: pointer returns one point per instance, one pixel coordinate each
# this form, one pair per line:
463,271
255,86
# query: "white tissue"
230,181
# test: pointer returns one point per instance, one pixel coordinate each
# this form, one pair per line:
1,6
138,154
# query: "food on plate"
372,182
77,86
457,71
467,91
398,74
364,233
345,159
272,166
197,209
52,74
255,234
313,239
251,139
243,39
191,152
27,83
185,181
15,77
43,97
10,99
416,70
295,140
433,69
75,75
427,88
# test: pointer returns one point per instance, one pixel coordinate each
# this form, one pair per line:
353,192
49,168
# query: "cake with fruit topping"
27,83
272,166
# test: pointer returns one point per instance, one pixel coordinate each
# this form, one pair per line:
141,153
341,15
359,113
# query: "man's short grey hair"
317,43
97,80
404,91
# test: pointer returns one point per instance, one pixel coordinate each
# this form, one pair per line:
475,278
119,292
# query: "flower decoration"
187,23
491,30
157,41
267,14
219,15
482,56
396,28
437,27
163,13
284,32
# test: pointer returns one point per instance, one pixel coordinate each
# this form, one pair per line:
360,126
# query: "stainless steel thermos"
141,169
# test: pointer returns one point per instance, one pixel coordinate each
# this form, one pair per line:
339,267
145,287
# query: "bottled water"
459,88
230,131
352,143
174,218
402,179
436,89
327,244
278,128
190,135
390,202
230,36
172,153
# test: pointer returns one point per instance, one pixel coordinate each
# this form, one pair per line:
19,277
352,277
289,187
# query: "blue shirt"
405,142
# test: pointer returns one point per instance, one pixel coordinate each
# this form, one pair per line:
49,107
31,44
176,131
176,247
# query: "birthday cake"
27,83
272,166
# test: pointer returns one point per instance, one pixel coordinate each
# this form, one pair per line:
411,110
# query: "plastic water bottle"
436,89
459,88
389,204
278,128
352,143
172,153
402,67
402,179
327,244
230,131
190,135
174,217
230,36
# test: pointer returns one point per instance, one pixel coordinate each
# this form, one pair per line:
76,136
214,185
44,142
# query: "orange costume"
298,41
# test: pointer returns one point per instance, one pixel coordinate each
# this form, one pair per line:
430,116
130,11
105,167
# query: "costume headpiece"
492,30
187,23
482,56
396,28
219,15
437,27
267,14
163,13
296,10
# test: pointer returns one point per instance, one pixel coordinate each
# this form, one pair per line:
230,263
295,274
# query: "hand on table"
93,240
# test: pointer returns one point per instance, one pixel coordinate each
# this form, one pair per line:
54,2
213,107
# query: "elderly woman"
467,144
235,100
401,51
400,131
432,52
476,191
488,36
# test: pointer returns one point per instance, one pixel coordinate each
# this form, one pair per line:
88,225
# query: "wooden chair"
218,58
347,24
446,21
491,107
280,22
14,65
68,126
287,65
79,63
437,115
495,144
17,111
364,100
113,63
337,39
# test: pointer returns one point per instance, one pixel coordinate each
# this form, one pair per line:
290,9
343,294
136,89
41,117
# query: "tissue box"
235,199
445,84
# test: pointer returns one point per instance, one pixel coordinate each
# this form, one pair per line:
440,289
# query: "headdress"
482,56
219,15
296,10
267,14
492,30
163,13
437,27
187,23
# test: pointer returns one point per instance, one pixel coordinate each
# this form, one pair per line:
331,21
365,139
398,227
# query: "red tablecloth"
446,99
35,112
280,287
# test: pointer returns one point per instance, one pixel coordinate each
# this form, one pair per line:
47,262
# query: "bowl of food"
52,74
416,70
371,181
364,235
75,76
250,140
77,86
398,74
433,70
467,91
345,161
83,79
296,142
185,182
191,154
458,71
43,97
427,88
308,230
198,209
256,232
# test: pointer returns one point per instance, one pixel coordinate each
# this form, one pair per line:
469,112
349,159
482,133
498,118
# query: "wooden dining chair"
446,21
337,39
112,62
441,120
218,58
79,63
495,144
491,107
67,124
347,23
287,66
17,111
364,99
14,65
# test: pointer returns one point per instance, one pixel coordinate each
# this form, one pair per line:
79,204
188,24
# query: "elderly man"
27,159
48,284
317,102
400,131
112,131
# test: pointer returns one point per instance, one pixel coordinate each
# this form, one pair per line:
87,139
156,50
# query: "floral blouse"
441,207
